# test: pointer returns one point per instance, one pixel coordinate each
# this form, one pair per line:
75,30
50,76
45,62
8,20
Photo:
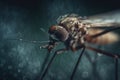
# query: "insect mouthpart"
58,32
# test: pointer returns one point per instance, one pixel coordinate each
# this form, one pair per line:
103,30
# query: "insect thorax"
77,30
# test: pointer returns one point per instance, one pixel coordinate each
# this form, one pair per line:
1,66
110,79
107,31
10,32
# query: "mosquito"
76,32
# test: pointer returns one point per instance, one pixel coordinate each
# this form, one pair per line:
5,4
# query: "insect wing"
103,39
111,19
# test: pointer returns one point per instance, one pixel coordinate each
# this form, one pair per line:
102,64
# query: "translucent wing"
103,39
103,21
111,19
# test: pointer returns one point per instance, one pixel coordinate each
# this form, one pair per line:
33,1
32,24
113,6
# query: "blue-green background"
24,61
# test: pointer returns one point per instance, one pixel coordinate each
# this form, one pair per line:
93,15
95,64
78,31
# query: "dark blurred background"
25,19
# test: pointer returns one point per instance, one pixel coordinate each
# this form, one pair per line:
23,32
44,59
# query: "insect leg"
103,52
116,57
43,66
75,68
116,68
50,62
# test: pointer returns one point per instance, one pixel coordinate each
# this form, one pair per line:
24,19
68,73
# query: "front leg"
77,63
49,46
50,62
61,50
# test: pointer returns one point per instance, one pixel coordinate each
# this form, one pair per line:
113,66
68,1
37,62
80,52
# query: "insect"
75,32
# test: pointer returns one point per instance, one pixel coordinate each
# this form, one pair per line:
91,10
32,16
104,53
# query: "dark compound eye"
59,35
59,32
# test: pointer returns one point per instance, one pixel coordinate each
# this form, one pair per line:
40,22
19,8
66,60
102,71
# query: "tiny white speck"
99,54
21,39
40,47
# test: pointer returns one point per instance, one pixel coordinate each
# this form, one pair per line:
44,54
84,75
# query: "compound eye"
58,32
52,29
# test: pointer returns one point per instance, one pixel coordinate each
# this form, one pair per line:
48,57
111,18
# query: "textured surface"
23,60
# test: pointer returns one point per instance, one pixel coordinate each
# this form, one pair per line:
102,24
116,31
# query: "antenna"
34,41
43,30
